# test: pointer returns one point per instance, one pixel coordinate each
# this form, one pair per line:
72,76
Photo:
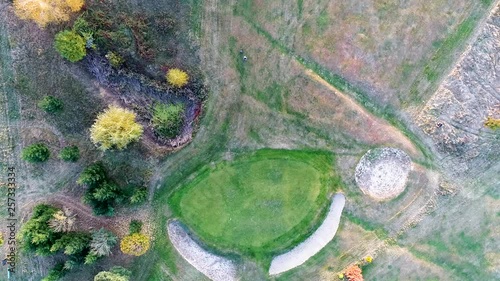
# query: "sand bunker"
314,243
214,267
382,173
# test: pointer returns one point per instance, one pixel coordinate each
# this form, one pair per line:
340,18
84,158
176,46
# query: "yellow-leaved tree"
135,244
177,77
115,128
44,12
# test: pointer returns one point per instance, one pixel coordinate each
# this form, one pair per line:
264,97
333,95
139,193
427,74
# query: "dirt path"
382,125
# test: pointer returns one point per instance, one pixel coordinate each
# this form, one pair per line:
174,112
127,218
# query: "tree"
70,45
36,235
44,12
36,153
116,273
102,242
63,220
70,153
140,195
177,77
135,244
55,273
353,273
116,127
72,243
105,191
167,119
50,104
93,175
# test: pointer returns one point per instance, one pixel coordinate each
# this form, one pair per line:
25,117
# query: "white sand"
314,243
214,267
382,173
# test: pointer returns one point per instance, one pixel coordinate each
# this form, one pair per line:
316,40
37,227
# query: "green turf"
260,203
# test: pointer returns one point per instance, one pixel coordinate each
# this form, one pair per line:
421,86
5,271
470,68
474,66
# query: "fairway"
259,203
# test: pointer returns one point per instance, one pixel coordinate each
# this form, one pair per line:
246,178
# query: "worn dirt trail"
378,124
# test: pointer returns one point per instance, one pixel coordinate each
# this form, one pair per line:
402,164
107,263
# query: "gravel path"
312,245
214,267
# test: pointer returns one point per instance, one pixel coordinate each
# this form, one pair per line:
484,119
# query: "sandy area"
312,245
214,267
382,173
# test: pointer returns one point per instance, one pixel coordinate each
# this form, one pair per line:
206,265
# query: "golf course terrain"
258,204
250,140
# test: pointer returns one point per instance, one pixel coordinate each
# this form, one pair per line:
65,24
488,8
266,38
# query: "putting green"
259,203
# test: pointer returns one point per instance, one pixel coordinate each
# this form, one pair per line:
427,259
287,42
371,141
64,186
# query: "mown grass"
260,203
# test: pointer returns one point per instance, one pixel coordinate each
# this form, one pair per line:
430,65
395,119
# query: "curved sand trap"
214,267
382,173
314,243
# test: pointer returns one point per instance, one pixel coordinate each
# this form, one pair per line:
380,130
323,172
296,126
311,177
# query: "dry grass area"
381,46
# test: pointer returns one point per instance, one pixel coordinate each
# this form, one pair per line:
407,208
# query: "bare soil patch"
382,173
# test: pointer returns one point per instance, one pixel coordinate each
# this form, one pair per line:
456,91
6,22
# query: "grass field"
258,204
321,74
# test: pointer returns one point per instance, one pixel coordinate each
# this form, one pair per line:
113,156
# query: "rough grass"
257,204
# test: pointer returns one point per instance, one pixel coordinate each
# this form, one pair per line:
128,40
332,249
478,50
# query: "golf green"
260,202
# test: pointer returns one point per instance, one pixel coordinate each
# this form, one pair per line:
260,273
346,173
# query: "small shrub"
136,244
353,273
116,273
115,127
135,226
70,45
63,220
168,119
139,196
50,104
36,153
177,77
102,242
70,153
369,259
114,59
492,123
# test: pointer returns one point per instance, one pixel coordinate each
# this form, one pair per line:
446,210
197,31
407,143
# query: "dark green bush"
50,104
36,153
55,273
168,119
93,175
135,226
70,153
